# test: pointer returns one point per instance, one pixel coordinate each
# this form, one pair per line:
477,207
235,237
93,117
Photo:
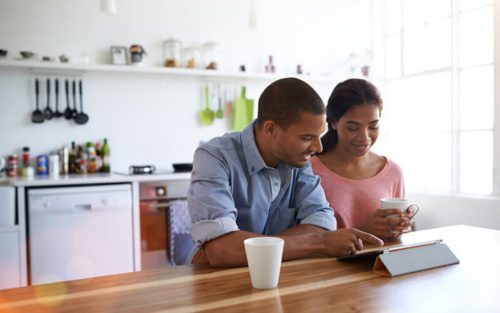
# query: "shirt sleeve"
210,202
310,199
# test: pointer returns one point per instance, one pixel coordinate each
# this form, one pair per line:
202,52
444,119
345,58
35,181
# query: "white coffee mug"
264,260
398,203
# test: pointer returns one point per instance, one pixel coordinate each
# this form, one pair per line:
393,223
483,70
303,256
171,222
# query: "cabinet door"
9,260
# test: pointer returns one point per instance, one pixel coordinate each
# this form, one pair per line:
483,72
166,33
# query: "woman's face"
358,129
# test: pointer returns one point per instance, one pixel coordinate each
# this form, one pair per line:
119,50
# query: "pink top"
355,200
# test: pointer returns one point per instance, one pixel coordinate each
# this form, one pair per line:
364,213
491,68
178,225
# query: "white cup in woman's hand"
398,203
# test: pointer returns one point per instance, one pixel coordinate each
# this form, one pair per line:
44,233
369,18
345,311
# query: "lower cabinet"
10,269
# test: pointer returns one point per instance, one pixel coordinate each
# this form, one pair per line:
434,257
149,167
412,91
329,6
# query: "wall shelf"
79,69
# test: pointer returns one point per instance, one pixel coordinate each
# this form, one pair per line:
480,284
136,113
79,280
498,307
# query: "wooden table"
308,285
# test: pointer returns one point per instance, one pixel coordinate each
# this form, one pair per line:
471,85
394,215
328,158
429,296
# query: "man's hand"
347,241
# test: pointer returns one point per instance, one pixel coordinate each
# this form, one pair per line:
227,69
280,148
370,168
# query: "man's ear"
269,128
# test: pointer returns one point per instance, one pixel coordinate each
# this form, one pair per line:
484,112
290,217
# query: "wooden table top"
307,285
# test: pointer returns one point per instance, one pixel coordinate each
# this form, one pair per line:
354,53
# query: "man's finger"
366,237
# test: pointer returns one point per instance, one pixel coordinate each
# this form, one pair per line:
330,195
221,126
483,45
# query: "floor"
154,259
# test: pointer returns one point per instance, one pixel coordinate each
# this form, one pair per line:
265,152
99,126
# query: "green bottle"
106,166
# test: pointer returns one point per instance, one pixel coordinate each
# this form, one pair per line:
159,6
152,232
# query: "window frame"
380,35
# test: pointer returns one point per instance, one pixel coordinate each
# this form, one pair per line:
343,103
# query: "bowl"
182,167
27,54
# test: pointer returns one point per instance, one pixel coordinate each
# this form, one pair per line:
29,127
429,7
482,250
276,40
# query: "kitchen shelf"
65,68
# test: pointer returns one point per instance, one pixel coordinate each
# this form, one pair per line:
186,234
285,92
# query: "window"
438,117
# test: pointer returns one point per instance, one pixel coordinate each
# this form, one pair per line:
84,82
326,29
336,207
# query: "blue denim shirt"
233,189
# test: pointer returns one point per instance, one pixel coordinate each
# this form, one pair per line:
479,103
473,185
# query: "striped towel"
181,241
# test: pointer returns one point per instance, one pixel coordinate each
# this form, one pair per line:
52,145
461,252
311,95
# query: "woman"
353,177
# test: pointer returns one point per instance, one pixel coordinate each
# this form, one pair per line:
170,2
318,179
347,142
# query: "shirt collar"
254,160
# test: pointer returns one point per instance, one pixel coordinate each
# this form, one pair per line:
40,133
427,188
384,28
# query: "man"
259,182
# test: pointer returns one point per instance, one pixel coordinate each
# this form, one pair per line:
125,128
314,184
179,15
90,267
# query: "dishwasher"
79,232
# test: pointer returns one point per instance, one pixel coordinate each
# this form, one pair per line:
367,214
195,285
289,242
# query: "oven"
165,224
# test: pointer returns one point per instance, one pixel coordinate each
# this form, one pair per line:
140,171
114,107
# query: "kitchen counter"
90,179
176,182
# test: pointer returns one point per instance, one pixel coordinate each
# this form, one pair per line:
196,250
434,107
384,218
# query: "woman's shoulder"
393,167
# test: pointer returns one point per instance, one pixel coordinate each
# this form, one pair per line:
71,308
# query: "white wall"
437,210
151,118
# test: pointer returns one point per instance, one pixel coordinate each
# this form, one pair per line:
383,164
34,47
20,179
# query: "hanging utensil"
57,113
37,115
47,113
219,113
207,115
81,118
74,111
68,113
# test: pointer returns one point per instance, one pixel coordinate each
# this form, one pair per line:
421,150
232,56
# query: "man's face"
295,144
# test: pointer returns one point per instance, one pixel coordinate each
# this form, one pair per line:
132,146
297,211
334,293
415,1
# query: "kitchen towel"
181,242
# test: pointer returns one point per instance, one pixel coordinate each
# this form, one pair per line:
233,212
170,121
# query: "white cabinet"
10,269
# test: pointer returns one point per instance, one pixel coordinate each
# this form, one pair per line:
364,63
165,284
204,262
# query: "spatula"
219,113
207,115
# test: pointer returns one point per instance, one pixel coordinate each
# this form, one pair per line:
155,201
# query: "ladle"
81,118
74,111
68,113
47,113
57,113
37,115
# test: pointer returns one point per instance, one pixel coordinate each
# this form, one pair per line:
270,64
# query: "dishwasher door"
79,232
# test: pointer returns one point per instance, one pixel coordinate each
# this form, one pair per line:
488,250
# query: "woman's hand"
389,223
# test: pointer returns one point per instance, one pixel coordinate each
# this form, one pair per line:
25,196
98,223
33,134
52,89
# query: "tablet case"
414,259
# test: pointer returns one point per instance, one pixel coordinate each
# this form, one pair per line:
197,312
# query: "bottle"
26,156
27,170
82,160
64,160
270,66
105,152
73,164
91,158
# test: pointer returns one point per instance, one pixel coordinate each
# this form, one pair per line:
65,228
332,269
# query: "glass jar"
172,53
191,57
211,55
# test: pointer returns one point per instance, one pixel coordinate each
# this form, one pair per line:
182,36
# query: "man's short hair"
284,99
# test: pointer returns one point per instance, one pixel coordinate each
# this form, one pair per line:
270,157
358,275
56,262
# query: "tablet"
374,251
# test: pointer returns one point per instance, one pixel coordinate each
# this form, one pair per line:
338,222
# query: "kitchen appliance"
7,206
165,223
79,232
142,169
182,167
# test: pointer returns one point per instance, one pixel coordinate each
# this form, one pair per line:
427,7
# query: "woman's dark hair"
344,96
284,99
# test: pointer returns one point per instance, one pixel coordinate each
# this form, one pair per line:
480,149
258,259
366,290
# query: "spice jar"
211,55
191,57
12,166
172,53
